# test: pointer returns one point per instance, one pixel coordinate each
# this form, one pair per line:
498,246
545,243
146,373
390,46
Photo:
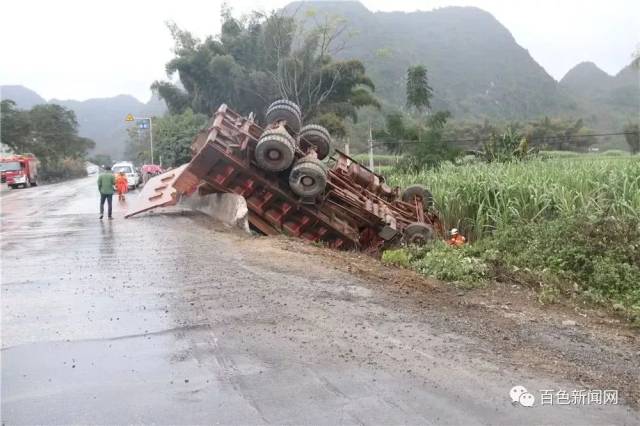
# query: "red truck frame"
353,209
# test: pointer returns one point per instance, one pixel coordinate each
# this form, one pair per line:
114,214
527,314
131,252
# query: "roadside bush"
66,168
565,226
441,261
596,258
397,257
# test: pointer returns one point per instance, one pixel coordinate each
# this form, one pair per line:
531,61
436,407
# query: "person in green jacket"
106,182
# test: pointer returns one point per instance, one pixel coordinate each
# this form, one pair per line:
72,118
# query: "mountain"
607,102
585,78
23,97
101,119
475,66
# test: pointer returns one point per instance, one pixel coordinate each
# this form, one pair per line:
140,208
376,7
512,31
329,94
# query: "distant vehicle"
92,169
127,167
150,170
19,170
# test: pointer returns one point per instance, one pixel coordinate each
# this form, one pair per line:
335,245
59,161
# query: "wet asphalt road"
168,319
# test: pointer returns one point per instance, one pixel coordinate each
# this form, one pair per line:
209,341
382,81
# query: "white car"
133,178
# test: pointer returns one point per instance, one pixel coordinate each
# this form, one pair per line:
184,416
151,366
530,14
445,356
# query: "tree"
15,127
172,137
54,131
419,92
632,135
559,134
101,159
259,59
51,133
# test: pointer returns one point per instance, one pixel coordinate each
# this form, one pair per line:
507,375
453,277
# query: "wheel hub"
274,154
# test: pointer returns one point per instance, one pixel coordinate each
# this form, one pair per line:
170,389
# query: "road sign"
129,117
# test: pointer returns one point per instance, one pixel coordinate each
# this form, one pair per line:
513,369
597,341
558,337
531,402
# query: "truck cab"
19,170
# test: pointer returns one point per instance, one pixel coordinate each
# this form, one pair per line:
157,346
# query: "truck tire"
288,103
412,191
275,151
319,137
308,177
286,113
34,182
418,233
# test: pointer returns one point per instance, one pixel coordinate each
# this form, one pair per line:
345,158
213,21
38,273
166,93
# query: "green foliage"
419,92
449,263
442,261
397,257
480,197
632,136
378,159
254,61
173,135
507,147
566,225
64,168
16,126
51,133
101,160
430,149
599,254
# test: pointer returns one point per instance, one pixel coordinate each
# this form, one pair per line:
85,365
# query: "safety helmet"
454,231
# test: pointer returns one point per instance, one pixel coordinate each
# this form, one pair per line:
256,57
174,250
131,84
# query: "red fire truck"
19,170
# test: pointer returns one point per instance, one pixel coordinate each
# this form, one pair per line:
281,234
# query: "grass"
481,197
566,225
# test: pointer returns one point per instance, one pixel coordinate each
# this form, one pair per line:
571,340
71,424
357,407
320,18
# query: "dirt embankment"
582,345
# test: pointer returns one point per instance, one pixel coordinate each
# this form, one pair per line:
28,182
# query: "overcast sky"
84,49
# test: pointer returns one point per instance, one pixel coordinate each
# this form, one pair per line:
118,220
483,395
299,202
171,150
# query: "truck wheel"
275,151
412,191
319,137
287,113
26,184
308,177
418,233
35,181
288,103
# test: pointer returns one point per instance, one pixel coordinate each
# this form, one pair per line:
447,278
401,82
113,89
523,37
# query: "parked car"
133,177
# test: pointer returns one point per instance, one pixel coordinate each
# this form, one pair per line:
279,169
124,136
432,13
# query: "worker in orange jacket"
122,185
456,239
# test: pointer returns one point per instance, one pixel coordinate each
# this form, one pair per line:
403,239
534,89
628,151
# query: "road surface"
171,319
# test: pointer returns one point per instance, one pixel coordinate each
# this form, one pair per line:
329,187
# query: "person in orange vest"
456,239
122,185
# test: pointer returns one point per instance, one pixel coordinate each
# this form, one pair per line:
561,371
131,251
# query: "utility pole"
370,148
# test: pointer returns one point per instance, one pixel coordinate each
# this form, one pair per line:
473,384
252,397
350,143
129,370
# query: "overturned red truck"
294,185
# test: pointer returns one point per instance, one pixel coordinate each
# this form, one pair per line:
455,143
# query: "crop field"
482,197
565,225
